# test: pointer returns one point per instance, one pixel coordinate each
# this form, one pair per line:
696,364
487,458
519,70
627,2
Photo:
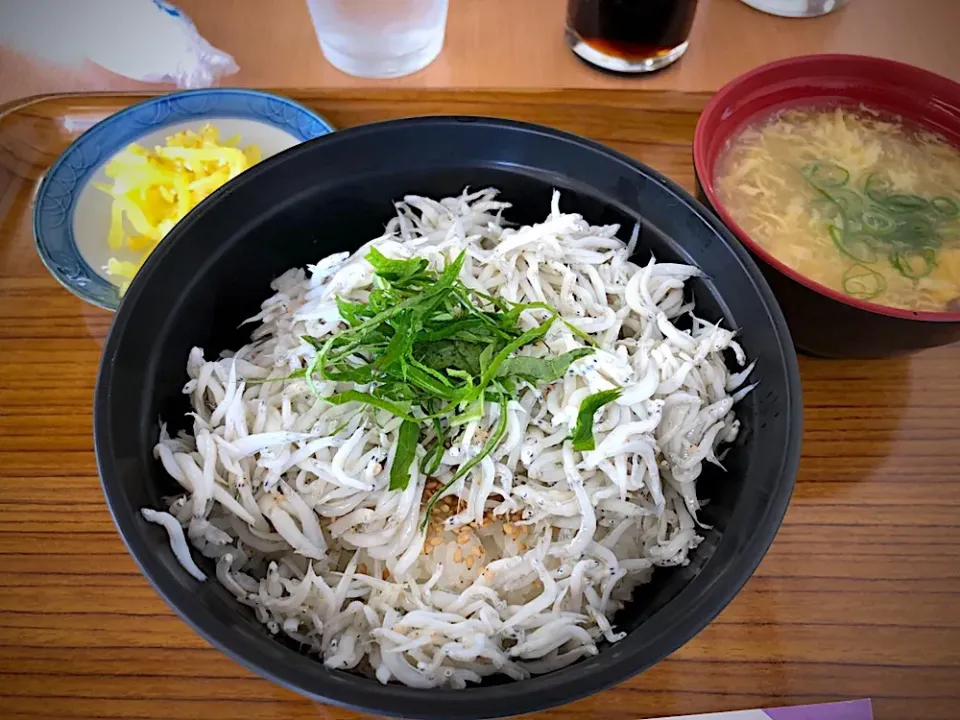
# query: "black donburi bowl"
334,193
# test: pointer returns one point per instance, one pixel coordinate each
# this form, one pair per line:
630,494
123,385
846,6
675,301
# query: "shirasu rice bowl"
519,565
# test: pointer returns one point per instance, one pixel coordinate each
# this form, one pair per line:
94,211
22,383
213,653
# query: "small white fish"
529,555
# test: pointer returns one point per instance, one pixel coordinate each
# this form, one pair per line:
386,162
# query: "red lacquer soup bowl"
823,321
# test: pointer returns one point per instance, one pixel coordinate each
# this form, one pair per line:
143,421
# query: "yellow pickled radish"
154,189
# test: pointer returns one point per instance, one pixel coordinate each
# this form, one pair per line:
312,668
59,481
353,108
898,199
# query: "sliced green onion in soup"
945,206
902,203
916,232
914,264
862,282
876,188
856,246
877,222
850,202
826,174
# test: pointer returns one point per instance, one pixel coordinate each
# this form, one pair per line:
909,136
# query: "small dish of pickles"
113,195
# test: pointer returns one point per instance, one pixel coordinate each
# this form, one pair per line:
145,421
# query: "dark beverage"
629,35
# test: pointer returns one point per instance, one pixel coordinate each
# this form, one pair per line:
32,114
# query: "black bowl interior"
333,194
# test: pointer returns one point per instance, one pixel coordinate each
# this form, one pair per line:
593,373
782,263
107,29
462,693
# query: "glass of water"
379,38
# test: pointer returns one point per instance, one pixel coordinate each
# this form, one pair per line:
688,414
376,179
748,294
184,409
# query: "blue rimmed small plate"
71,218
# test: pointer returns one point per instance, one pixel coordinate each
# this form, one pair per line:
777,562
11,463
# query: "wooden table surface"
519,44
858,597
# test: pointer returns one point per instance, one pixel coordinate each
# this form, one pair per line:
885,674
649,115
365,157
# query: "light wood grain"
859,595
519,44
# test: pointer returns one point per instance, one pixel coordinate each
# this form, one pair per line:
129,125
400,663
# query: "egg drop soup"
854,200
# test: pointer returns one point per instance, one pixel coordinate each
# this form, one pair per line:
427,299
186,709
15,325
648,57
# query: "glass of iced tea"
629,36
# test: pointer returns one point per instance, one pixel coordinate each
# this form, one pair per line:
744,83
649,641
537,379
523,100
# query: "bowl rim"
78,163
537,693
705,163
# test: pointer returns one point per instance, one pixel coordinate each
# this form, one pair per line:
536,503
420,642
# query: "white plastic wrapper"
146,40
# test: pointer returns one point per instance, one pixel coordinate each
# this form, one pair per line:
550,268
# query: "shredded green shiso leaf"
431,351
583,430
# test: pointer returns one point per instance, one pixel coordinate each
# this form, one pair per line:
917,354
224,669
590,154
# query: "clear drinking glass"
379,38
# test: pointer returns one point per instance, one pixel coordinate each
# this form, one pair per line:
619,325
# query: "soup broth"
851,199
